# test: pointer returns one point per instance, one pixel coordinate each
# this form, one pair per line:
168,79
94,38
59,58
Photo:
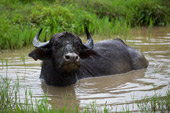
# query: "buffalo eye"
77,45
57,44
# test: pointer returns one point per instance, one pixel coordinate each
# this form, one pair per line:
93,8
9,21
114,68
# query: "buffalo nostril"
67,57
71,57
77,58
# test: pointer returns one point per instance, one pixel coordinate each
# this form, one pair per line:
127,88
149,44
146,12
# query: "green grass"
155,103
11,103
20,20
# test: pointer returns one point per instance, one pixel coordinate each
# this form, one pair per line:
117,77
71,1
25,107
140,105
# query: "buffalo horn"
39,44
89,43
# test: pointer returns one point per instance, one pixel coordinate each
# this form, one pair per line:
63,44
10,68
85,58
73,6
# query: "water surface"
117,91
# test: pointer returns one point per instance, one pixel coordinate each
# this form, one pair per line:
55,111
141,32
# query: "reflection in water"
112,89
115,90
61,96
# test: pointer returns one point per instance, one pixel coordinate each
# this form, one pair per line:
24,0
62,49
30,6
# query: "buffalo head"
64,50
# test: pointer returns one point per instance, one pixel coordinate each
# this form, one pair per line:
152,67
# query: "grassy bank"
11,103
21,19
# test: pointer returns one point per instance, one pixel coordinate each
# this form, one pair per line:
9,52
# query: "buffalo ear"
88,52
40,53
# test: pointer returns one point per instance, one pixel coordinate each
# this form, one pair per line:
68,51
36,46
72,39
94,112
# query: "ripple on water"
114,90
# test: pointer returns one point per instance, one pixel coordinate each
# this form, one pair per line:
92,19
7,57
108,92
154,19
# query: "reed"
11,103
2,61
155,103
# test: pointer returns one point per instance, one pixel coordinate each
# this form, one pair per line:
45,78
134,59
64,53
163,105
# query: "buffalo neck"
56,77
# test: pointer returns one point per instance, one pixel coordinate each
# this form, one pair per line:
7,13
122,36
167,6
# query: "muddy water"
117,91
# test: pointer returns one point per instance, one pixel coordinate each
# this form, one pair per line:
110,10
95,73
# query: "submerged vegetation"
21,19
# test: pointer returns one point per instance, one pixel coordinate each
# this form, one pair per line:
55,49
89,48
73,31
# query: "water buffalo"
66,59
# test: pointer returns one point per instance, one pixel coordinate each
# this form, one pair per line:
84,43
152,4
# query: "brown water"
116,91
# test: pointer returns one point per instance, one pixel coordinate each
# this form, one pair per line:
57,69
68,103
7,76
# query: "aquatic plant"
2,61
23,59
11,103
155,103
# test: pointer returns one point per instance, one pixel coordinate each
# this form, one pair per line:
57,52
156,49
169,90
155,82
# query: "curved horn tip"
38,34
39,44
86,30
40,31
89,43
